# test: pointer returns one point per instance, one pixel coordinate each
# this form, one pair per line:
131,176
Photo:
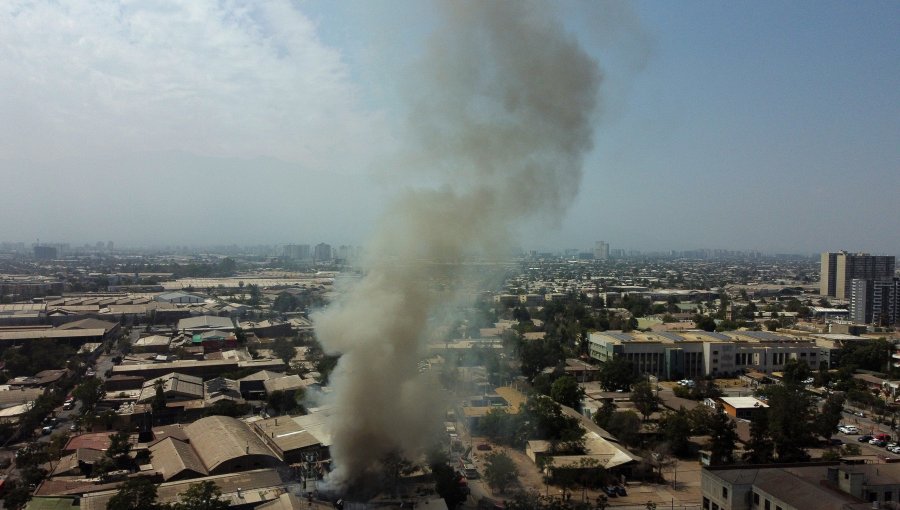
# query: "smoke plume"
501,116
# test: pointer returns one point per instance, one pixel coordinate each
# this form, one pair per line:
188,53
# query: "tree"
159,398
830,416
282,402
617,374
500,470
201,496
626,426
866,354
605,413
119,447
446,480
705,322
795,372
284,349
675,428
255,295
89,392
135,494
544,419
644,399
790,415
759,449
567,392
724,436
285,302
227,408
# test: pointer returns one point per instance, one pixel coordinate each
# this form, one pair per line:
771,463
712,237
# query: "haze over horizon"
768,126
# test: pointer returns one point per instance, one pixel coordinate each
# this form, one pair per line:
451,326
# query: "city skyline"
767,127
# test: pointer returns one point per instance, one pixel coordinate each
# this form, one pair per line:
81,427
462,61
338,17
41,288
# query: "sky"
772,126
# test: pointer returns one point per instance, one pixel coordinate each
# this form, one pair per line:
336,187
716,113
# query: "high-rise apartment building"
839,269
875,301
601,251
296,251
323,252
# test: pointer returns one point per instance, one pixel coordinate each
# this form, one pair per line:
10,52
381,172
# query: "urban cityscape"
449,255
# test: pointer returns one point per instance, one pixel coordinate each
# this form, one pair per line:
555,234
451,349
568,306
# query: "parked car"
484,447
878,442
621,491
47,430
610,491
835,441
848,429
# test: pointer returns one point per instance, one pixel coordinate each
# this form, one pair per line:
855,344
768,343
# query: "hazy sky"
763,125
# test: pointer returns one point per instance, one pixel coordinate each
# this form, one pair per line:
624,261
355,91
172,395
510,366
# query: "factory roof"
172,457
55,334
219,439
206,322
174,385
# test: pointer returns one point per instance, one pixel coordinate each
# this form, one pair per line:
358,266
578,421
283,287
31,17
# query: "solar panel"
671,336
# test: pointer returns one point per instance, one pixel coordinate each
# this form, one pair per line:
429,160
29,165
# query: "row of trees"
140,494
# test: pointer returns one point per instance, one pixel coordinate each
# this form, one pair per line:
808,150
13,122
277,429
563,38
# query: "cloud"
224,78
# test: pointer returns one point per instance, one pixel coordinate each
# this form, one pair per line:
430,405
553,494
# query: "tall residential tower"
841,268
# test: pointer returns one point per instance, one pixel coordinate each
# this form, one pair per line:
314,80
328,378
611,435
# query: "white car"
848,429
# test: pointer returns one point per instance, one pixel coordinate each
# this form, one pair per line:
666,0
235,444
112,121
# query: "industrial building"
696,354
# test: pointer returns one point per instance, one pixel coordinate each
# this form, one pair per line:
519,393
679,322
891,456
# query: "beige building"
800,487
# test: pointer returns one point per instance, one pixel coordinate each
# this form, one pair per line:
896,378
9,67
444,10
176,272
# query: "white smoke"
501,114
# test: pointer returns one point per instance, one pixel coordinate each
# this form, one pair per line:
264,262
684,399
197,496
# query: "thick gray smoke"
501,115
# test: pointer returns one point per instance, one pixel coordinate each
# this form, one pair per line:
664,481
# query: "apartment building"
838,270
875,301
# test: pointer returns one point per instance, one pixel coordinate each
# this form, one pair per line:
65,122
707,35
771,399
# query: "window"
756,499
725,493
715,507
777,507
888,496
768,505
705,503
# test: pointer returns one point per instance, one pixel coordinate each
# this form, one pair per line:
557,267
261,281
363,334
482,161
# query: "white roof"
743,402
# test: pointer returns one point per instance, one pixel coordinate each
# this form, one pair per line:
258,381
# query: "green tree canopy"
89,392
135,494
204,495
645,400
500,471
567,392
724,437
626,426
284,349
617,374
675,428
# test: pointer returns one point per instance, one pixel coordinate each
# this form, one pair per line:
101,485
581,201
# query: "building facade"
875,301
696,354
838,270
